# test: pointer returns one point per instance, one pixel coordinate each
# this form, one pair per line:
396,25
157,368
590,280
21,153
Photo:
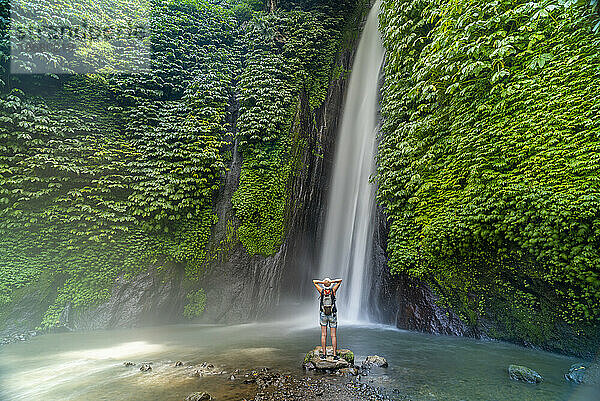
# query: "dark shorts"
330,320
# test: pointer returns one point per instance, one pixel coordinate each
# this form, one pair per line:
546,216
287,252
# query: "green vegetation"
489,161
290,55
106,174
103,175
196,303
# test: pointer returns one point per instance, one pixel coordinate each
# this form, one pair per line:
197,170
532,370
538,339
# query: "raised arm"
316,283
336,284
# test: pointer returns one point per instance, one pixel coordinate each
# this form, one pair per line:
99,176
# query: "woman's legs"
334,340
324,339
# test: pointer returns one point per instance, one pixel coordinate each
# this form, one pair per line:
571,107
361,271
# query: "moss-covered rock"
312,359
524,374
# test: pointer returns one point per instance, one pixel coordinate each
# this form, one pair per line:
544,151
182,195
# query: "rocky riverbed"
277,387
266,384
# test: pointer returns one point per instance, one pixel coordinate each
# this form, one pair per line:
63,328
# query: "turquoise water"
89,366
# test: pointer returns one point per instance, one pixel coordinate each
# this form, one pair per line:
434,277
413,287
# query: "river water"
89,366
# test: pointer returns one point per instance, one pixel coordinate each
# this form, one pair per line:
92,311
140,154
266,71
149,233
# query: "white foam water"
348,230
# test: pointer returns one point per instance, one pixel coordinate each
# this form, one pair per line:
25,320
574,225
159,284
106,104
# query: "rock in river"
584,373
313,361
375,360
198,397
524,374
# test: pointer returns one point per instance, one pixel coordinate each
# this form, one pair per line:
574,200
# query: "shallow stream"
89,366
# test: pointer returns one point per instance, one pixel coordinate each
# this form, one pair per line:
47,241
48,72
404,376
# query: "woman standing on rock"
328,313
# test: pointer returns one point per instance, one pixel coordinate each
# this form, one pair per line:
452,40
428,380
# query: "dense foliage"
107,174
490,157
290,56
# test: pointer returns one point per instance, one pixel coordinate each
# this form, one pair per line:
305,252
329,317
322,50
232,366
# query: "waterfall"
348,230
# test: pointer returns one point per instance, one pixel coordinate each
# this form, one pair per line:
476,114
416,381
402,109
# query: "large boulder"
312,359
524,374
375,360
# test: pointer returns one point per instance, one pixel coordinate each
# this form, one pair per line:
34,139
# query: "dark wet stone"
576,373
351,371
524,374
205,369
145,367
128,363
178,363
584,373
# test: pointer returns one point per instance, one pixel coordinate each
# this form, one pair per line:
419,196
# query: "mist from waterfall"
348,230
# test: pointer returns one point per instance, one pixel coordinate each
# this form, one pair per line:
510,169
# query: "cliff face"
239,287
412,304
211,186
481,167
242,287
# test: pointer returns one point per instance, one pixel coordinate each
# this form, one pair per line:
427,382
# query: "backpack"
328,301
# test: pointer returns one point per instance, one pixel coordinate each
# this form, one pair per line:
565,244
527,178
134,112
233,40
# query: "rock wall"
151,297
239,287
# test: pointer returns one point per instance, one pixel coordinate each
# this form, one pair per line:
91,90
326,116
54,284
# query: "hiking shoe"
322,356
336,358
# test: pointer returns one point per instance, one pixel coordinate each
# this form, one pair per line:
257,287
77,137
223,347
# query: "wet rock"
576,373
199,397
375,360
351,371
178,364
584,373
312,359
60,328
265,380
205,369
232,377
19,336
145,367
128,363
524,374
